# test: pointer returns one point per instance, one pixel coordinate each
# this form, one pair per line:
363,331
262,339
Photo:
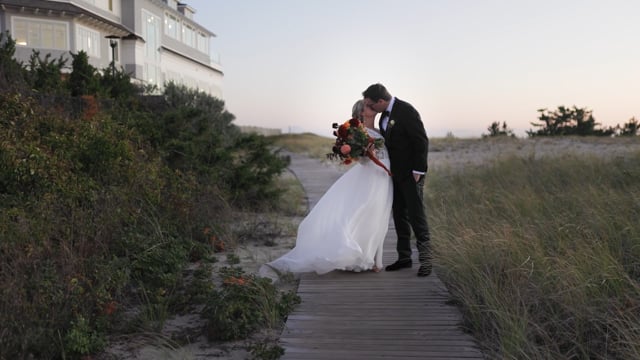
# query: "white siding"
191,74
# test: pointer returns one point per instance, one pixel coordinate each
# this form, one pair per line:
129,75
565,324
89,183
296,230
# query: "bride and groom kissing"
346,229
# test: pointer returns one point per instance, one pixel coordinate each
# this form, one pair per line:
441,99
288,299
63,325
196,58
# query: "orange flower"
218,244
232,280
110,308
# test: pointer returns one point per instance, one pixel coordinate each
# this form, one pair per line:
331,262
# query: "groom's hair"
376,92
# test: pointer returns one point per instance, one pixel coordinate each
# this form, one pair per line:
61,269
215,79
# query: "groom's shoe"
400,264
424,270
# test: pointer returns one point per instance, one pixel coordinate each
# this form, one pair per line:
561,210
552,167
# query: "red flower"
343,131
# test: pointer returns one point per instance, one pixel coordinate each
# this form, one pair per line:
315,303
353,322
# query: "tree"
568,121
116,84
44,75
11,71
496,130
83,79
630,128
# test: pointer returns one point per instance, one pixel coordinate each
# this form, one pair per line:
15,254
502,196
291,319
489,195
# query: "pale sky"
299,65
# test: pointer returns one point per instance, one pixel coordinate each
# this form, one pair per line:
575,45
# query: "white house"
155,41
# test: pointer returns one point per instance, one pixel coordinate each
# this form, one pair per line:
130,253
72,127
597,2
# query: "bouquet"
353,142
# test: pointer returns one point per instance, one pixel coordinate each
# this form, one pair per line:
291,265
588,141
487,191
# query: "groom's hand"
416,177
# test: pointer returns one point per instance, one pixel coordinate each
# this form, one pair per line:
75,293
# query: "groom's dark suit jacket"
406,140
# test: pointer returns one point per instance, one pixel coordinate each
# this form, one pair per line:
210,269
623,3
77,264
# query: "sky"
300,65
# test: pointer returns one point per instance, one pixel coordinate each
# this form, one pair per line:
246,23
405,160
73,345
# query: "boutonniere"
391,123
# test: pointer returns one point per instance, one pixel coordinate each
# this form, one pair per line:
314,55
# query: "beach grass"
312,145
543,254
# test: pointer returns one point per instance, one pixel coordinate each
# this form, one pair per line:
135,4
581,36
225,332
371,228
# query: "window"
42,34
188,36
151,27
171,25
151,32
152,74
88,41
203,43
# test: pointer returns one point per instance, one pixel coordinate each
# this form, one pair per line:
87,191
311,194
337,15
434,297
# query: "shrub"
243,304
630,128
83,79
44,74
116,84
101,209
251,180
11,72
266,351
496,130
195,134
88,213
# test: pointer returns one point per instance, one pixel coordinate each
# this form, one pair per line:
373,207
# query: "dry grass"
539,241
308,144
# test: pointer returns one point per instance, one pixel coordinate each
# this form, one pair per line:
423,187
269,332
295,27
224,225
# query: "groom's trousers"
409,214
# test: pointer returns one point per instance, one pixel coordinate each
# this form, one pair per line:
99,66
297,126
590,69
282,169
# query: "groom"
408,146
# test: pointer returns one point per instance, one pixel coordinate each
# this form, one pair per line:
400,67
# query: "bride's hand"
370,148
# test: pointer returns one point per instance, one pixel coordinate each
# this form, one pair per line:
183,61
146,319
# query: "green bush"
195,134
630,128
496,130
44,74
84,79
87,211
243,304
251,179
103,208
266,351
12,75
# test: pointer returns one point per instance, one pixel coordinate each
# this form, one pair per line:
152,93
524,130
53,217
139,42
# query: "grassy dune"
541,247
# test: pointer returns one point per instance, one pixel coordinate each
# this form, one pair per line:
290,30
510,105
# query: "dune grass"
543,254
308,144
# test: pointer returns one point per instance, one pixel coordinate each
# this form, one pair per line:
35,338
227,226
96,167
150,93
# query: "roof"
67,9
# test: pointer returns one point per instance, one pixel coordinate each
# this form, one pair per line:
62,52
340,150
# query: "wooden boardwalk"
386,315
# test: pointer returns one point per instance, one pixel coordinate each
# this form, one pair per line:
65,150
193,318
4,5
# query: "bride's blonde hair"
356,111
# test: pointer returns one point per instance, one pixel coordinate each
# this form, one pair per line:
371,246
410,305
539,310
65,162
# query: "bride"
345,230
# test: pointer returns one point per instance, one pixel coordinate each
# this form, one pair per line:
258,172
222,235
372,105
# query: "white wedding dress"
345,230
